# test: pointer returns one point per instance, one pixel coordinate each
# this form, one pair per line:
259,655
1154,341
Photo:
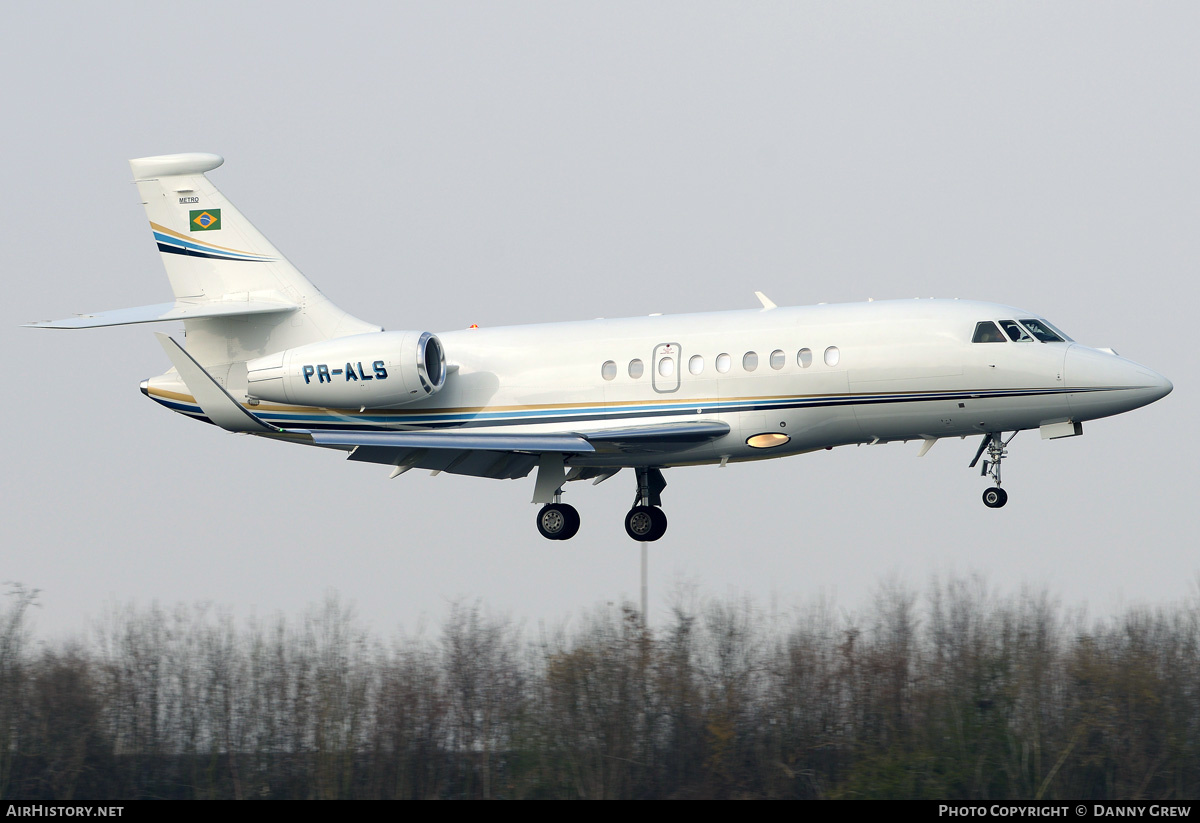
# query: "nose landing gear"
997,449
995,498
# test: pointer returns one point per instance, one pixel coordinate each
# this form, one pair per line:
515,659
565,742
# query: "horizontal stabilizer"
216,403
162,312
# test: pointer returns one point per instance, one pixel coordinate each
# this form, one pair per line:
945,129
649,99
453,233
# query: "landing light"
767,441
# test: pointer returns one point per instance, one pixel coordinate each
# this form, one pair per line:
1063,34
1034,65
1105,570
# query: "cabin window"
696,364
636,368
609,370
987,332
750,361
804,358
666,367
1041,331
723,362
778,359
1015,331
832,356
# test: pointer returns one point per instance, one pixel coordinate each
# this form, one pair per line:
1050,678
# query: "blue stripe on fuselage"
442,420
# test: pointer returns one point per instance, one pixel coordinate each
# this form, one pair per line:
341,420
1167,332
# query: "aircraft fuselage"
812,377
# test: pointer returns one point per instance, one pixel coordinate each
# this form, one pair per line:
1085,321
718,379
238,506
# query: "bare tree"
14,637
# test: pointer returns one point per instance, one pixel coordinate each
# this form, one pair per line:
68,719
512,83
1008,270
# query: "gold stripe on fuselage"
617,404
261,407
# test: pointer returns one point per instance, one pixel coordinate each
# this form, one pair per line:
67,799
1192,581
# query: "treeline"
957,693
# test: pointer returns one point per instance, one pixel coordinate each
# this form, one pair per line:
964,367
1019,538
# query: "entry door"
664,374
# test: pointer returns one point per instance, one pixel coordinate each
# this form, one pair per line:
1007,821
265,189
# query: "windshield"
1015,331
1041,330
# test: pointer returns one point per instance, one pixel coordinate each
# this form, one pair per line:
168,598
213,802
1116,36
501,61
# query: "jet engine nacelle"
374,370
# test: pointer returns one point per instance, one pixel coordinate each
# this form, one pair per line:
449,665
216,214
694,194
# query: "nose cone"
1103,384
1161,388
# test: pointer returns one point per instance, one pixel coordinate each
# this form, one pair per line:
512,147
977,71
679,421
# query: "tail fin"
215,255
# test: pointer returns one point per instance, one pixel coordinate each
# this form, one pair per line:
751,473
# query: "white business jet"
268,354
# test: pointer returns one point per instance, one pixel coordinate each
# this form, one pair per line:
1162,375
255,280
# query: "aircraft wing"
479,454
498,455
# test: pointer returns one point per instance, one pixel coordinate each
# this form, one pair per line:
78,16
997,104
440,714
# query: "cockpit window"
1041,330
986,332
1015,331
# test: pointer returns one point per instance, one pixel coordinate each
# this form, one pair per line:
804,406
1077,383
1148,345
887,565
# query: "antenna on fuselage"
767,303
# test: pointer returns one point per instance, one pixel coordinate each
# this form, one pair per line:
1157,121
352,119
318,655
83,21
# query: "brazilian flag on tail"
204,220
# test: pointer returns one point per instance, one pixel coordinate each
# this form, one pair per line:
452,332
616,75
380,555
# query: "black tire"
557,521
660,524
995,498
639,523
645,524
572,522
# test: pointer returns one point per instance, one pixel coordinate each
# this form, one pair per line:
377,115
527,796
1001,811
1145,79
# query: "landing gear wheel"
995,498
558,521
572,522
996,447
646,523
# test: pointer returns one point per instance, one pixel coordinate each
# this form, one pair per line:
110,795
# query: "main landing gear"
558,521
997,449
645,522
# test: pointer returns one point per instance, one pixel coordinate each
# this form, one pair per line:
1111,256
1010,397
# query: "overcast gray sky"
434,165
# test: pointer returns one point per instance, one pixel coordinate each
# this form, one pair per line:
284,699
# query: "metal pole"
645,617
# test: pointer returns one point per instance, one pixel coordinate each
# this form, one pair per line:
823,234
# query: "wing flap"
475,463
478,454
501,455
661,437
